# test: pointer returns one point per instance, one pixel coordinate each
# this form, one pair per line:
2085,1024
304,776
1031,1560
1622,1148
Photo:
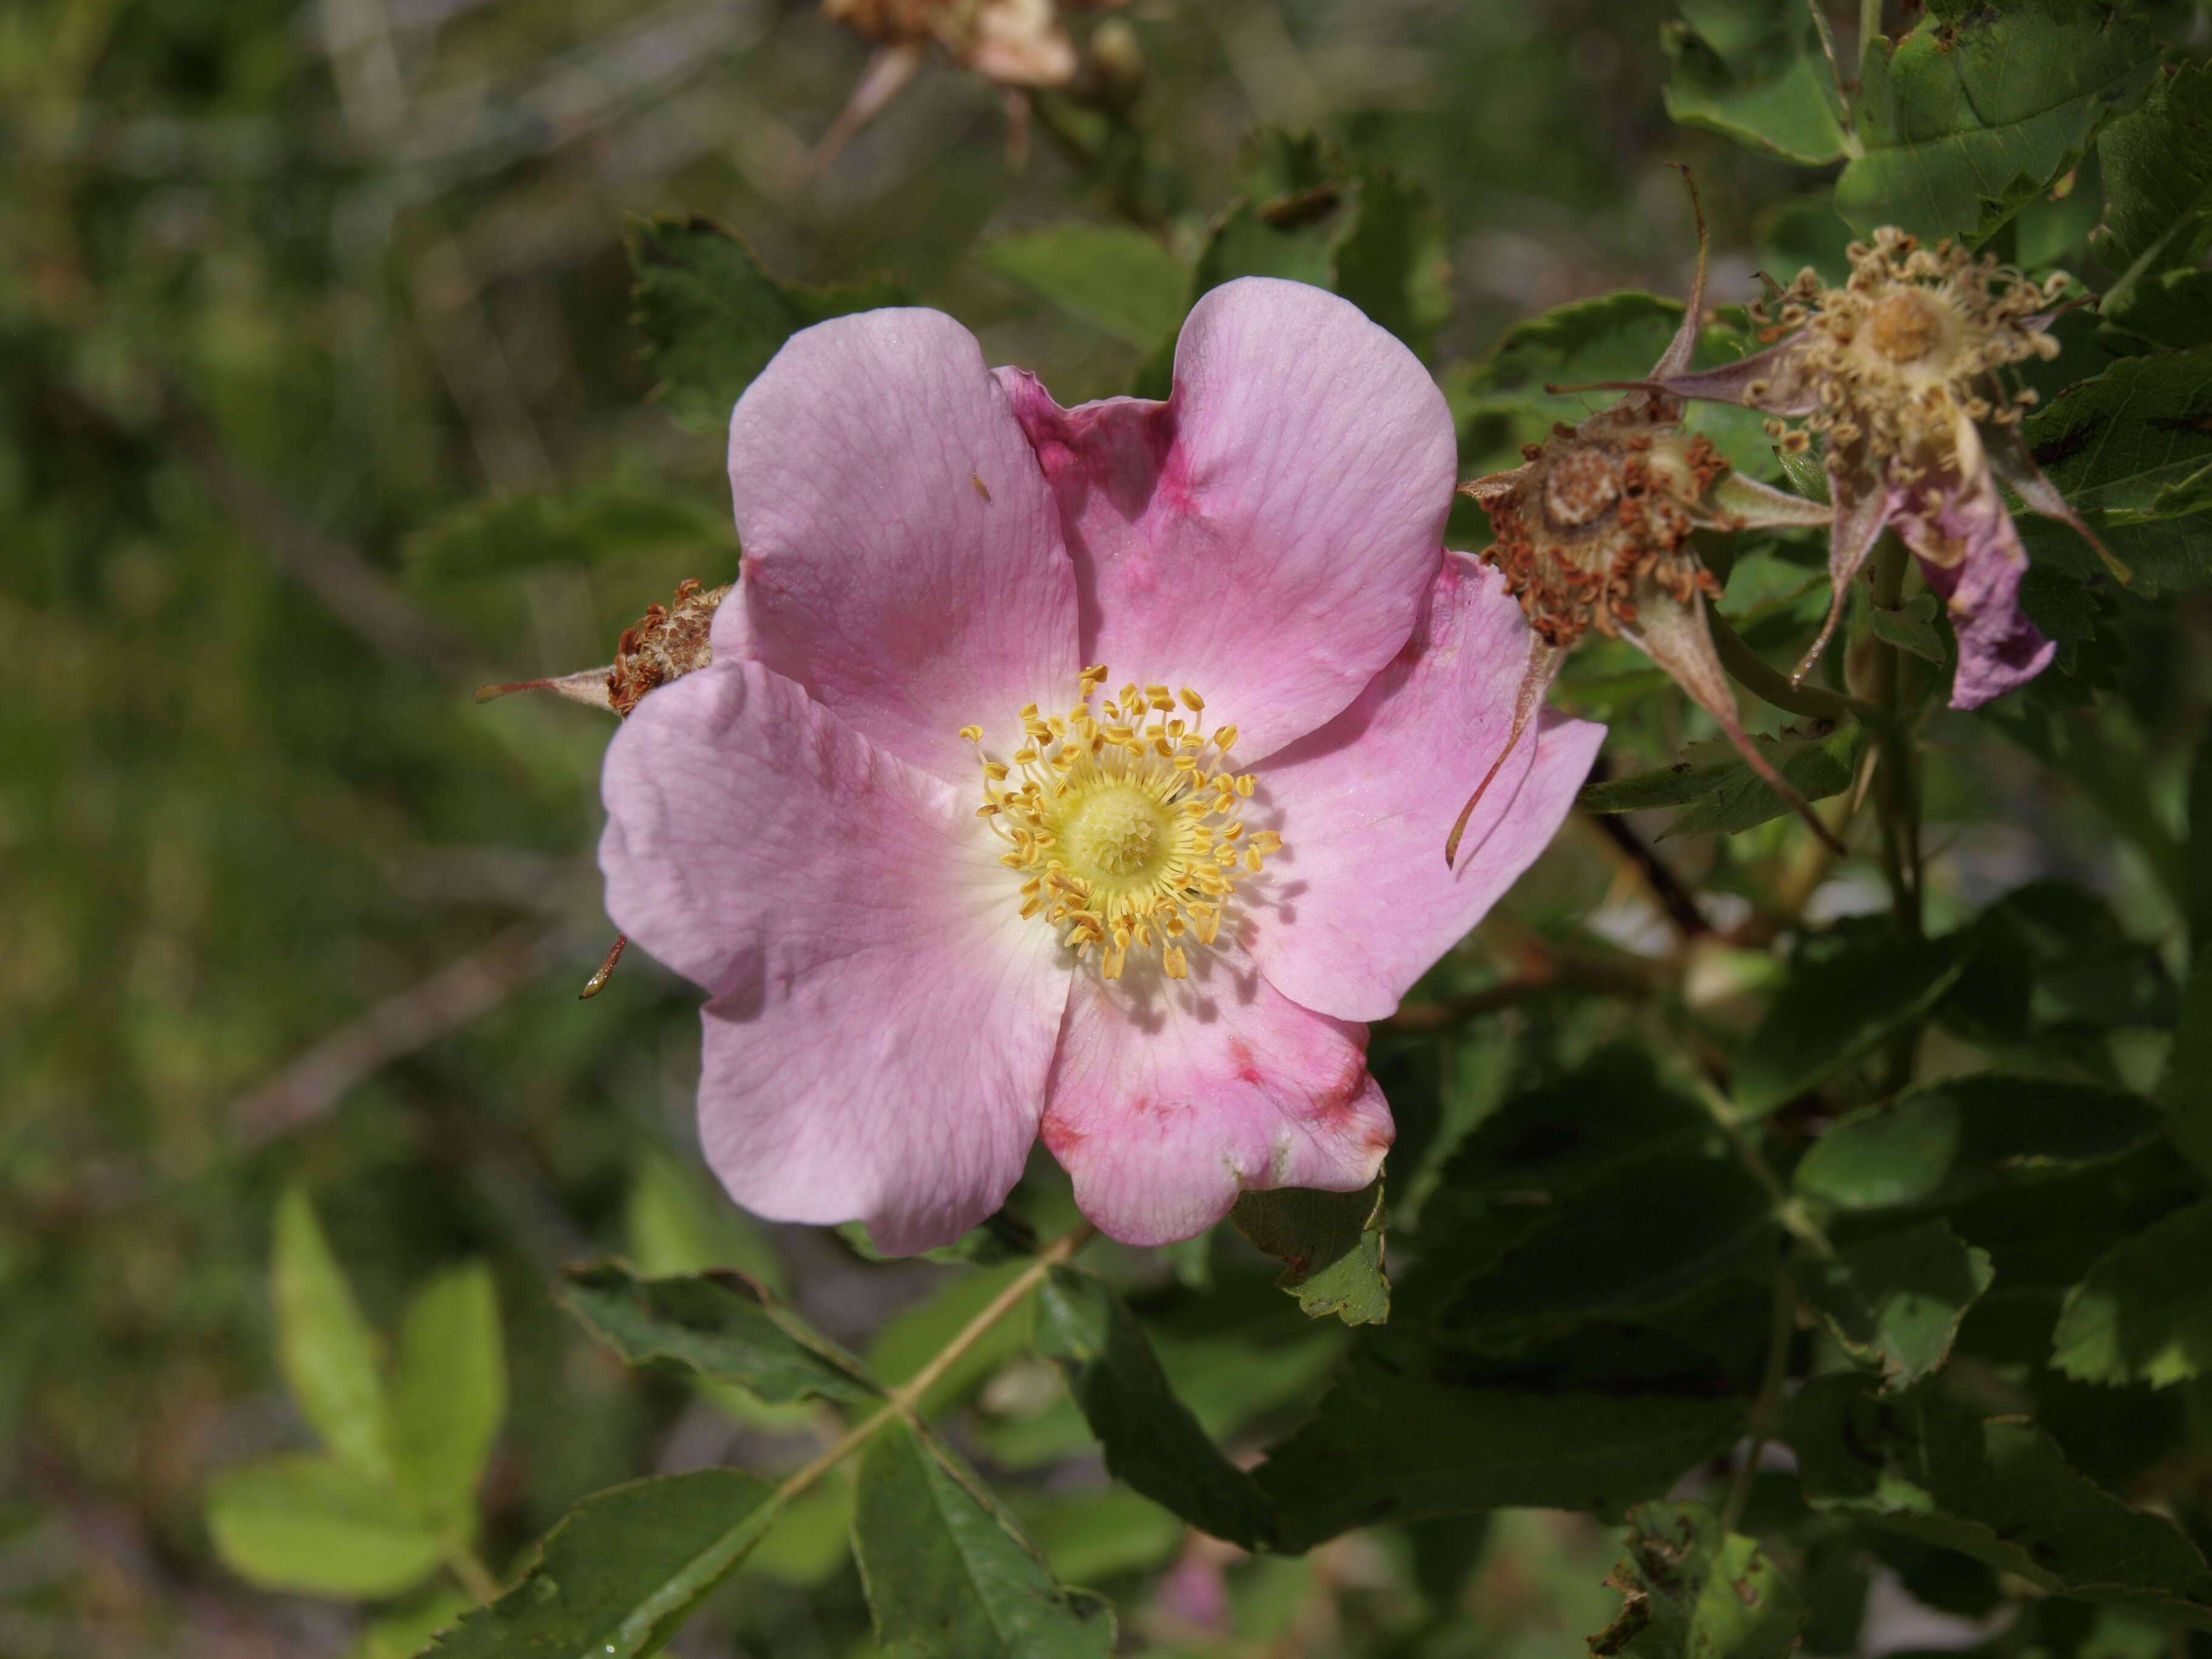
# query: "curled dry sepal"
1069,771
1902,372
1593,531
666,643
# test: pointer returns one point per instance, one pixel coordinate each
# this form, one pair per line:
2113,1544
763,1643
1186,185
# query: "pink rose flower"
955,830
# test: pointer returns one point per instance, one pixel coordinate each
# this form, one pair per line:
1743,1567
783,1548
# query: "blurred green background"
320,404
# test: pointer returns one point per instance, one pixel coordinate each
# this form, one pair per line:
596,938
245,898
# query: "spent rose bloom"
1902,372
1074,770
1593,530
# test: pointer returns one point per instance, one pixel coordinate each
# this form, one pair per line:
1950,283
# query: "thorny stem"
1768,1406
1790,1213
905,1399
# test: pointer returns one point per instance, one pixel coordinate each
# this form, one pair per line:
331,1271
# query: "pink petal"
903,557
883,1019
1970,555
1169,1098
1361,902
1268,534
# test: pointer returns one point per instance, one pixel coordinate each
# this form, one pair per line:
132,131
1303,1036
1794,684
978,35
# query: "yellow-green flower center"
1124,822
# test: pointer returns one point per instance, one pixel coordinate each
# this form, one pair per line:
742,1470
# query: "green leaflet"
2133,444
1724,794
1998,1490
318,1524
1753,70
2157,167
1847,995
330,1357
950,1574
1112,277
718,1323
1330,1245
2144,1313
621,1571
1895,1300
1692,1591
448,1395
1968,117
712,314
1589,343
1952,1140
1391,1444
1150,1437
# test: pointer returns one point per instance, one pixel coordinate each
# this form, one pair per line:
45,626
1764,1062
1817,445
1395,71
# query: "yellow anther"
1127,839
973,734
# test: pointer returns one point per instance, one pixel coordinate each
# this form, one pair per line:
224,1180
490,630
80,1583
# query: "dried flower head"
1018,44
1902,373
1593,531
1885,365
665,644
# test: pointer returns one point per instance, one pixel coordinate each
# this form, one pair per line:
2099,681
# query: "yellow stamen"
1127,827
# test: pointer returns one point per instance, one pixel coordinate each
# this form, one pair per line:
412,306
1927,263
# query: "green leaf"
621,1571
1692,1591
315,1524
1910,627
719,1324
1310,214
2157,167
1390,1445
950,1575
674,1226
1724,795
2134,444
1150,1437
1843,999
1970,115
406,1631
448,1395
1998,1490
2187,1087
1950,1140
2049,964
1894,1301
1644,1234
1819,762
1614,336
1113,277
328,1354
1330,1245
713,315
2144,1313
1753,70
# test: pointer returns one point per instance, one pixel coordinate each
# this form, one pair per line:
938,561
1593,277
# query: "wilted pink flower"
949,880
1901,371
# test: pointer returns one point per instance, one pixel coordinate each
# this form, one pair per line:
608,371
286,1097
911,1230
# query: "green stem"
1768,1408
905,1399
1771,685
1897,796
1788,1211
468,1568
1897,789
